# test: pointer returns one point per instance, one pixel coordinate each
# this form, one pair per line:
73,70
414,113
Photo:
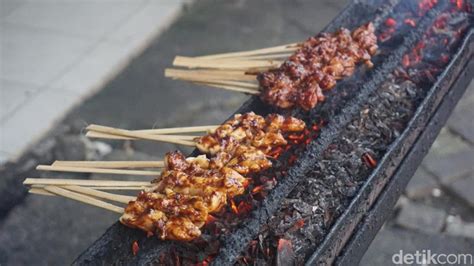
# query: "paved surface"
54,53
140,97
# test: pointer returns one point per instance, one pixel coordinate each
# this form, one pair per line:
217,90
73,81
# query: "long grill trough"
332,188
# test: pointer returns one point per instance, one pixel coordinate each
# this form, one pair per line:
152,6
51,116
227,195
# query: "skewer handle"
83,198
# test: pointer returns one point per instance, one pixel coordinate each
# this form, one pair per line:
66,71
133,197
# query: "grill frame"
114,245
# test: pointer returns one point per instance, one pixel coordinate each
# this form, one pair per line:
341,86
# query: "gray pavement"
54,53
45,231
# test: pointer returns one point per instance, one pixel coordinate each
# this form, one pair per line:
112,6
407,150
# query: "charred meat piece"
187,191
174,217
249,130
316,66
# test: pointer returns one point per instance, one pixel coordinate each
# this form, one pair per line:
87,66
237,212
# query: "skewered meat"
191,188
212,184
243,159
172,216
178,206
316,66
250,130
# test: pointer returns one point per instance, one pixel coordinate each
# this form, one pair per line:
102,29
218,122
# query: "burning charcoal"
285,255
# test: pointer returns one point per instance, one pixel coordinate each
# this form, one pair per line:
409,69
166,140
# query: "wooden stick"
111,164
98,135
163,131
121,188
83,198
85,182
247,85
267,56
100,194
211,73
269,50
96,170
231,88
131,188
86,191
225,64
172,130
128,133
40,191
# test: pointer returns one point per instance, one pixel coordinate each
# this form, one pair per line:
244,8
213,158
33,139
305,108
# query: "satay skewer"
83,198
226,64
139,135
99,135
111,164
84,182
211,74
262,51
86,191
287,76
96,170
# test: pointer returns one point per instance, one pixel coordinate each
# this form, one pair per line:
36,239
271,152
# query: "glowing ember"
410,22
390,22
205,262
299,224
234,207
257,189
210,219
406,61
369,160
284,244
275,153
426,5
459,3
135,248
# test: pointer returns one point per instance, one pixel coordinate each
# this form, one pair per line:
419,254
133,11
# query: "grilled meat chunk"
316,66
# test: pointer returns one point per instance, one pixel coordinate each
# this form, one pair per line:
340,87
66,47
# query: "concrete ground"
437,206
55,53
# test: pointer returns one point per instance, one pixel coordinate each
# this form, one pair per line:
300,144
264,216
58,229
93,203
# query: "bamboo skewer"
239,67
268,56
96,170
228,64
241,84
230,88
214,73
128,188
111,164
83,198
40,191
120,188
84,182
94,192
171,130
134,134
268,50
100,194
98,135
